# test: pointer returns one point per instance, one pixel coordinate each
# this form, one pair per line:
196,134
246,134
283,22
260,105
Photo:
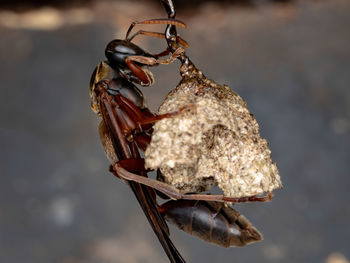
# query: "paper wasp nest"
214,141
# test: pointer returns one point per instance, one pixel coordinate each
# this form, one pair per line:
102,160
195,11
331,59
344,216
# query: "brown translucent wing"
115,147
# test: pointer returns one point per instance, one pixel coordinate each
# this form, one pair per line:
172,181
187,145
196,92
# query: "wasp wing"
117,148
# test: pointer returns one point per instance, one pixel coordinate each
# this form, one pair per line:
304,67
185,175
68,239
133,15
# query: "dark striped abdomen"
211,221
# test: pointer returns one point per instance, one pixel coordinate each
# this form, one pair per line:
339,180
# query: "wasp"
126,129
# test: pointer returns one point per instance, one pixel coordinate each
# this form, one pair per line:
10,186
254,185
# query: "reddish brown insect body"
126,122
126,127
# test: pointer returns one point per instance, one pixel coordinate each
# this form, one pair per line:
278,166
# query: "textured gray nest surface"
214,141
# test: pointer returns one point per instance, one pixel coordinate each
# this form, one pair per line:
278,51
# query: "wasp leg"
138,122
147,33
175,194
140,73
181,41
159,117
163,53
140,118
153,61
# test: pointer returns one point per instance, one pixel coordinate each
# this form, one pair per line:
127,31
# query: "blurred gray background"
290,61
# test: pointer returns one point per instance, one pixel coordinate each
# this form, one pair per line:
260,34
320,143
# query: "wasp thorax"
215,142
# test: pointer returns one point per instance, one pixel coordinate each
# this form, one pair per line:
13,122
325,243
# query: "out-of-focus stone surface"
214,141
291,63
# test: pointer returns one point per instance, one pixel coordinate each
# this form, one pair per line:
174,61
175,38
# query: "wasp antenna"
166,21
147,33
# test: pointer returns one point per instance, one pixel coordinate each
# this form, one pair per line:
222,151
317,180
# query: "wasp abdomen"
211,222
